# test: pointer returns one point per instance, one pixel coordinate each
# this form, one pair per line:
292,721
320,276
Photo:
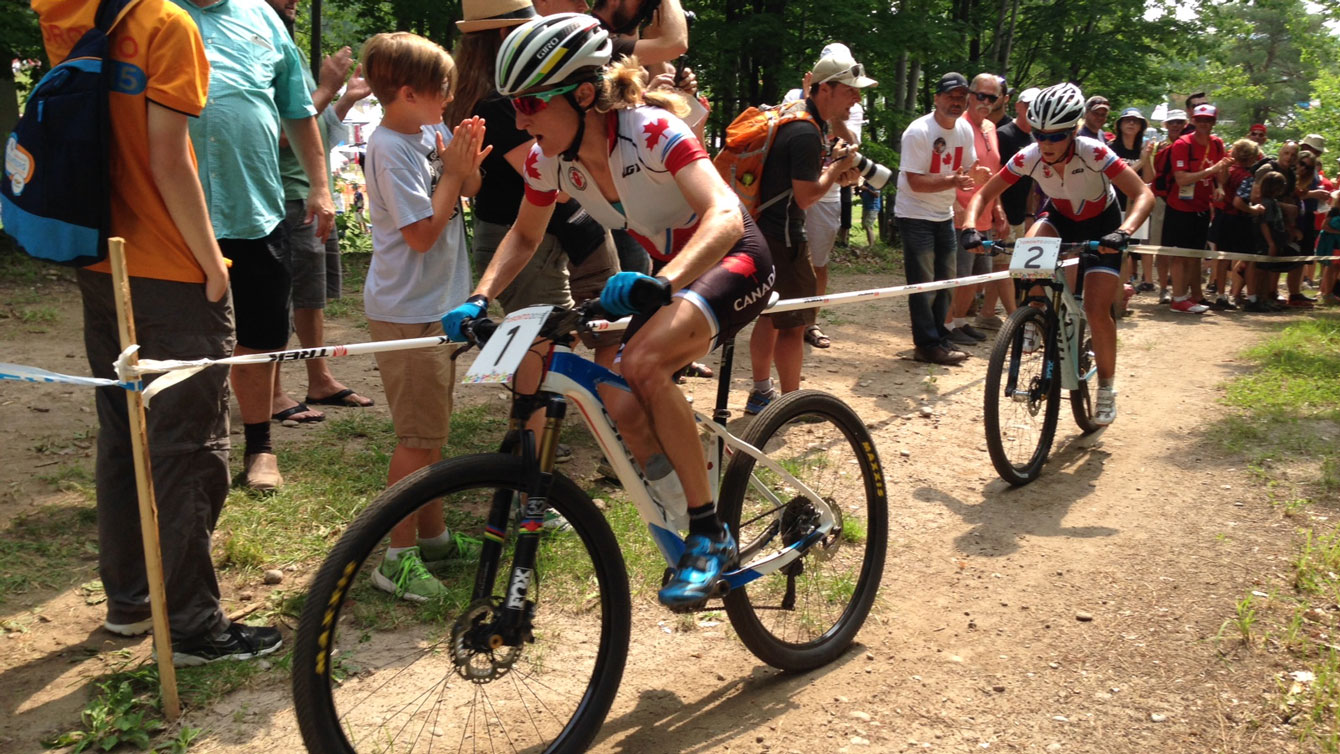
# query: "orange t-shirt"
158,56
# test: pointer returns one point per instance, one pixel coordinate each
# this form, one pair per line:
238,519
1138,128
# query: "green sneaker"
407,578
459,547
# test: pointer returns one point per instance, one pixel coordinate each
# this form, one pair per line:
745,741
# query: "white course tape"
1173,251
20,373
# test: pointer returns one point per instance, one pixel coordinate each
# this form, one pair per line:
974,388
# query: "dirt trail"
1076,614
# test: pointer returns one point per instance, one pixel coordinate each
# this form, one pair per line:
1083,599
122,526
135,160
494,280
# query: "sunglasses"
984,97
856,71
529,104
1051,136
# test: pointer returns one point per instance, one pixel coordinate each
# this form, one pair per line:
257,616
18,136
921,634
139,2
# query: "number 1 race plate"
501,356
1035,257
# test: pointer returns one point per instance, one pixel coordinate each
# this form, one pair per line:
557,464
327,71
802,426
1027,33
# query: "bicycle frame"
577,379
1067,312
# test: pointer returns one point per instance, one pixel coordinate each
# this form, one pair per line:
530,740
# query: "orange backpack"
748,139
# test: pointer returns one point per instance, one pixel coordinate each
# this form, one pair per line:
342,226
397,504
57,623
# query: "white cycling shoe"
1105,405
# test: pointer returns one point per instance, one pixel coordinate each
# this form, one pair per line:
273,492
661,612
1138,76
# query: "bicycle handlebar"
1065,246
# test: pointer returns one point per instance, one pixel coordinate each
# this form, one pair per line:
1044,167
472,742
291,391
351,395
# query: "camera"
874,173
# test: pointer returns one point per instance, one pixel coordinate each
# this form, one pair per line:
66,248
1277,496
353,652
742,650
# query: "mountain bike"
1042,349
528,651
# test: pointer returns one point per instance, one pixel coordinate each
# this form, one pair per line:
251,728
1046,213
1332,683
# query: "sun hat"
480,15
1133,112
842,70
1315,142
1175,115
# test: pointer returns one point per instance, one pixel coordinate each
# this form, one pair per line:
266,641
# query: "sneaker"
563,453
1205,302
606,472
699,569
988,322
1105,407
1299,301
236,642
459,547
758,401
407,578
1212,288
135,628
1308,284
1222,304
974,333
554,521
938,355
1144,287
960,336
1185,306
1032,338
1165,297
1257,307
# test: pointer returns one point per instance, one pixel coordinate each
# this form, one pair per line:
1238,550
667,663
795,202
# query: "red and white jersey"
647,147
1081,188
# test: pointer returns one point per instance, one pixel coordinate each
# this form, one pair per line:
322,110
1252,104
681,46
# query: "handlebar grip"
649,294
479,330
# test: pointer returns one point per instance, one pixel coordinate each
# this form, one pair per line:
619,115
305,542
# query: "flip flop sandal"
340,399
815,337
289,413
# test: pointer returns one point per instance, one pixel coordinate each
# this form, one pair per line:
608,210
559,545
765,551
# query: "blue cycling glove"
634,293
473,308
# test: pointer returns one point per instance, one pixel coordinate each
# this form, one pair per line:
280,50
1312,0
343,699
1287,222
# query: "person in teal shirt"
256,87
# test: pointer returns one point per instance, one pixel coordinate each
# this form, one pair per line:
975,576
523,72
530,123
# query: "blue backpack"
54,200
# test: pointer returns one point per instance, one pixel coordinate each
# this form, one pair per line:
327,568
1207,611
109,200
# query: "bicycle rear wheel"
806,613
1020,426
373,673
1081,398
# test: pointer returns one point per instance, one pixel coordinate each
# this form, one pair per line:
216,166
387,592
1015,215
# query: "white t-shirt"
648,146
405,286
929,149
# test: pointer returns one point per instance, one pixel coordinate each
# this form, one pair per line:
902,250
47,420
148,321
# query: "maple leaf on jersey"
655,131
531,170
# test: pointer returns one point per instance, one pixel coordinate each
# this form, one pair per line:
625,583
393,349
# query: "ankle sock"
393,553
763,386
442,539
703,520
257,438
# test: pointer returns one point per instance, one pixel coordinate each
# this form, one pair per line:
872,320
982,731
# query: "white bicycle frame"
577,379
1069,314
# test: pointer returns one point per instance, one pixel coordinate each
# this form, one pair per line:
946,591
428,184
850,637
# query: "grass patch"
50,548
1285,422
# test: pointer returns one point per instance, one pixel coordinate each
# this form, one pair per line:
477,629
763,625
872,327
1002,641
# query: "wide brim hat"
1316,142
843,71
481,15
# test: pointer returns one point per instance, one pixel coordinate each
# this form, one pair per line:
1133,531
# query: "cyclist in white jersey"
1078,175
635,166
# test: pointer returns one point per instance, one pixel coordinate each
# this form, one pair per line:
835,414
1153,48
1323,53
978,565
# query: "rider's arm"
721,226
1140,199
516,249
984,198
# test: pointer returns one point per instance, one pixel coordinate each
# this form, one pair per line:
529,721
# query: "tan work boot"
261,472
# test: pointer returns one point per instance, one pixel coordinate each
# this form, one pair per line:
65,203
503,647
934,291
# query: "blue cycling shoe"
700,568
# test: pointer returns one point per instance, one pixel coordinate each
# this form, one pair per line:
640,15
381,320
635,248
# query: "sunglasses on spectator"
529,104
1051,136
1202,119
856,71
984,97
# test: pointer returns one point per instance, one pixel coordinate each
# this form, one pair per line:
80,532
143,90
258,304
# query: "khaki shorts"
418,384
544,279
795,279
588,279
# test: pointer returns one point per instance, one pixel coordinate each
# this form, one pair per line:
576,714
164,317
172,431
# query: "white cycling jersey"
1081,188
648,147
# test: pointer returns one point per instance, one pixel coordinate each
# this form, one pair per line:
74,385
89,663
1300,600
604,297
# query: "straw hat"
494,14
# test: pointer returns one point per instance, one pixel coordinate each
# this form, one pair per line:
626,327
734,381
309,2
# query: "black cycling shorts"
1076,231
732,293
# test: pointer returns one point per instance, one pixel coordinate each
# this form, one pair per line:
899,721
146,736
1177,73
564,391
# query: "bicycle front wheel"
1022,398
375,674
806,613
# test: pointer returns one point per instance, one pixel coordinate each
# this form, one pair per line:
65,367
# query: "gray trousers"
188,449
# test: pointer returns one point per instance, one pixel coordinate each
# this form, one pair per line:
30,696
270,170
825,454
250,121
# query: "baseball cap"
1205,111
1315,142
842,70
1257,127
1028,95
951,81
1097,101
1175,115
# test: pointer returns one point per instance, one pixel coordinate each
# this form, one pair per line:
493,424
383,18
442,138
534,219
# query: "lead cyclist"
1077,174
622,153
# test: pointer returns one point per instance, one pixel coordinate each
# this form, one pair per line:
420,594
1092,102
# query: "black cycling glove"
969,238
1116,240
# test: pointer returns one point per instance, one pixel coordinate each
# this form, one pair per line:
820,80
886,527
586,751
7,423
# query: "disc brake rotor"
477,648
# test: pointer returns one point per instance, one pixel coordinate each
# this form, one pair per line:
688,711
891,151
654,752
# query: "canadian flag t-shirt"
928,149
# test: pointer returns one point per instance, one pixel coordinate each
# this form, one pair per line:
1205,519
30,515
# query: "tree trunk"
9,94
913,84
900,81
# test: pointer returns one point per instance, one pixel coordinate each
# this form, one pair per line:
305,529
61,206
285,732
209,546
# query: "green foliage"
116,715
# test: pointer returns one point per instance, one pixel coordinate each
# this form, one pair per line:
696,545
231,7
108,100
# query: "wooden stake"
144,483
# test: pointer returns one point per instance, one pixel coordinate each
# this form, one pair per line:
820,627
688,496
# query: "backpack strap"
110,13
